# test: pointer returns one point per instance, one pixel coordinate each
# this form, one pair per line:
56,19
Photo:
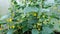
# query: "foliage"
31,17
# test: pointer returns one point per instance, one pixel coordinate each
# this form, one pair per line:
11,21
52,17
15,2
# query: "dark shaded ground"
57,32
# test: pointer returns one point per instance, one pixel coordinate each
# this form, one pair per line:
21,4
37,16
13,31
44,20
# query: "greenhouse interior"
29,16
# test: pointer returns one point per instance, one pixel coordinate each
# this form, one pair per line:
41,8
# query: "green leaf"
25,29
35,31
46,30
57,26
2,22
32,21
29,9
10,31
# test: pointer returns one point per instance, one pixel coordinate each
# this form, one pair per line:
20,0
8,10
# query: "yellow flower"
10,19
34,14
12,27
